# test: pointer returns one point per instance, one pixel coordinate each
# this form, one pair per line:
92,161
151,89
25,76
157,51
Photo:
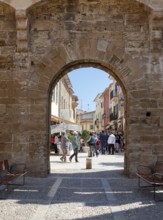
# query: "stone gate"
40,41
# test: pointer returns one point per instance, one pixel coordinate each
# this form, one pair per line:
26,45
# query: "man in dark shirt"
103,139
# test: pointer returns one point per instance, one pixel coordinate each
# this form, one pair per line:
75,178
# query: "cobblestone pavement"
73,192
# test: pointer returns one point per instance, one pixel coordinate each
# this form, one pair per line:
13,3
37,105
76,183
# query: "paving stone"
69,193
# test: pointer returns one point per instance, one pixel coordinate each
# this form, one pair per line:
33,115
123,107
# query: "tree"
85,136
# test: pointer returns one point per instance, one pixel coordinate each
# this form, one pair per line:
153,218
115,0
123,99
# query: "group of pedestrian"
73,140
104,142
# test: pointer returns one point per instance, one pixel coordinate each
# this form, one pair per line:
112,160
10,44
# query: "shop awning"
64,127
60,120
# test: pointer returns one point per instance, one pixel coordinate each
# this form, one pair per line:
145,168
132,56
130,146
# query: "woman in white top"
111,143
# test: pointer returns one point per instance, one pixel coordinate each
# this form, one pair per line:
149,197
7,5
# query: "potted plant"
85,137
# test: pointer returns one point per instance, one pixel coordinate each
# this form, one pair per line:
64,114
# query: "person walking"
56,140
117,142
64,146
111,143
103,139
92,145
98,145
52,142
75,146
121,142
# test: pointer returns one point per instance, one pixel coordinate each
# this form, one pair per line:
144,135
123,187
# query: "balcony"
113,116
114,96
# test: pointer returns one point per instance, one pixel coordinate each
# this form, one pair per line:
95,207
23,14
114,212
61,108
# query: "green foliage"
69,136
85,135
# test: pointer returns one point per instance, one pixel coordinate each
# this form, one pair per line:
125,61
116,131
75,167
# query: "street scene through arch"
102,116
44,40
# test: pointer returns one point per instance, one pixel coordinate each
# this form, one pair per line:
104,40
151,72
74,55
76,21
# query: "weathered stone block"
102,45
2,109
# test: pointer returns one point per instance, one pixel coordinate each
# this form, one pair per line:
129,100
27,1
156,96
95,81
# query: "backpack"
92,141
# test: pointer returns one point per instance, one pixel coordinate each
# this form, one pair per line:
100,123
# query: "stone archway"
155,4
59,60
52,37
102,43
97,65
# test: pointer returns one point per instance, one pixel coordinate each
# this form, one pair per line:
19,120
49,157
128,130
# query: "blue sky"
87,83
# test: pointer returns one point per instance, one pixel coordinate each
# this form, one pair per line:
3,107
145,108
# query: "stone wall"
51,38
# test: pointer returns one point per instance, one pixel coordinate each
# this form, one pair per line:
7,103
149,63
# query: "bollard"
88,163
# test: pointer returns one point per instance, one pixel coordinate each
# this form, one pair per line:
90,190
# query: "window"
116,89
91,127
56,94
116,110
111,94
64,104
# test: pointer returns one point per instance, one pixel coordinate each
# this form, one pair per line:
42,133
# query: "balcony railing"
113,116
113,95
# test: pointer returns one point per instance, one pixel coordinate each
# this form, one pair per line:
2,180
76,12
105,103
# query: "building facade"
87,121
116,107
64,102
106,116
64,107
109,113
99,113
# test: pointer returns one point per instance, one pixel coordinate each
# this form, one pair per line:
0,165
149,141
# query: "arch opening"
117,128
